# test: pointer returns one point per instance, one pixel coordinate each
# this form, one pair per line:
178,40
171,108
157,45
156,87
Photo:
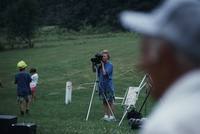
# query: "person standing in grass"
23,79
33,84
106,88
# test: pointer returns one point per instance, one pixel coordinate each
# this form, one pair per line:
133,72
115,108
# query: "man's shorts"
26,98
107,95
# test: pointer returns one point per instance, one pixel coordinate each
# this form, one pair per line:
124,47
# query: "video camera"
97,58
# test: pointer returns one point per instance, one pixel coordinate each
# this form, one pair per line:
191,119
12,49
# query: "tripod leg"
96,89
122,117
109,106
145,100
88,113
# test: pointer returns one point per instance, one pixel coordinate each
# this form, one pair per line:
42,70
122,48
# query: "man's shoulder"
18,74
170,116
23,73
26,73
109,63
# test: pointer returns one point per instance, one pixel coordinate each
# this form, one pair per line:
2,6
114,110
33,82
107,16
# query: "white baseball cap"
177,21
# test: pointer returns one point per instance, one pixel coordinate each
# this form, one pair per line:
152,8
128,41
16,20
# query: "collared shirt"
23,79
178,111
34,81
105,81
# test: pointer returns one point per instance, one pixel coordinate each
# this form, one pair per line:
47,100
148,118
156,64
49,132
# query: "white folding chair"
131,97
122,99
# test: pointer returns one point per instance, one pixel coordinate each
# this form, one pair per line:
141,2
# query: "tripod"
92,96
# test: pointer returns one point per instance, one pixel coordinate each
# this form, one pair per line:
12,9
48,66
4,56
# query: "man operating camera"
104,69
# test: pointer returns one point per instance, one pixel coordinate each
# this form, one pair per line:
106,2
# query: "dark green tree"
19,18
21,21
98,13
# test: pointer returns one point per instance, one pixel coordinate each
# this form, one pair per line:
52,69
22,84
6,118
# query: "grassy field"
60,57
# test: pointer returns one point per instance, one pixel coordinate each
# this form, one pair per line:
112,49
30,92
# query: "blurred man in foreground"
170,54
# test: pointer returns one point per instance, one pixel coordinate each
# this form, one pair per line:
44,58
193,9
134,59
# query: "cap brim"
142,23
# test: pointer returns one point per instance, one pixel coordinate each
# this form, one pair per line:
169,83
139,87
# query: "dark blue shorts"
107,95
26,98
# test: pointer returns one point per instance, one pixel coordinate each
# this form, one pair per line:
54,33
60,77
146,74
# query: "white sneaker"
112,118
106,118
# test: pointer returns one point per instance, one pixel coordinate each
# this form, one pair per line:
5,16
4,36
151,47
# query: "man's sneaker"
112,118
105,118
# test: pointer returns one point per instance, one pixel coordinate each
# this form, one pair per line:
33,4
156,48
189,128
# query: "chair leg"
122,117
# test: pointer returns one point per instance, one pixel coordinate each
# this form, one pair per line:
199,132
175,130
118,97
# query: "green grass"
60,57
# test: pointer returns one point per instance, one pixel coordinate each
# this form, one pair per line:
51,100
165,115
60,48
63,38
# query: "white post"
68,93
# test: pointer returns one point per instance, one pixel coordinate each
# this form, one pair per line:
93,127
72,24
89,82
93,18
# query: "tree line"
21,18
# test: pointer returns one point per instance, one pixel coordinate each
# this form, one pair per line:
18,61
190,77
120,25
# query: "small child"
34,82
23,79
